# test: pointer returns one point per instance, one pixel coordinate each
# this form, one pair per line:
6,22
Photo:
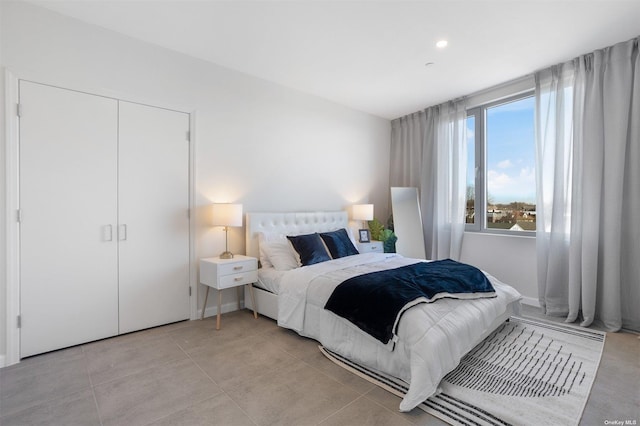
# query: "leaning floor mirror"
407,222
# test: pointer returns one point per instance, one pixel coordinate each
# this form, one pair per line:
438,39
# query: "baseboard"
2,361
530,301
226,307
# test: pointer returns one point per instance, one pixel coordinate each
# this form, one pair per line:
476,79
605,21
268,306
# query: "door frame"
12,202
12,244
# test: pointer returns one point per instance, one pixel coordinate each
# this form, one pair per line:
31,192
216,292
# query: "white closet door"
153,227
68,200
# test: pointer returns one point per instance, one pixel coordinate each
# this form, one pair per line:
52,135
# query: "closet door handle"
122,232
107,233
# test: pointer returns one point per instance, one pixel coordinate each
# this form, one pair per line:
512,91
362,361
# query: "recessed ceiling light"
441,44
428,64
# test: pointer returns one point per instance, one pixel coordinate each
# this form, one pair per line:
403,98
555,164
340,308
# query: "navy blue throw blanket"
375,301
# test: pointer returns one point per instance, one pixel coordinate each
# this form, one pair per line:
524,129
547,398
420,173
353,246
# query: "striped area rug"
527,372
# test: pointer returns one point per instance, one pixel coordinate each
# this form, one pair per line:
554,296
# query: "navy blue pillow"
339,243
310,249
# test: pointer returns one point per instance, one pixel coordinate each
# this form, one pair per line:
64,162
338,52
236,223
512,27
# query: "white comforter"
432,338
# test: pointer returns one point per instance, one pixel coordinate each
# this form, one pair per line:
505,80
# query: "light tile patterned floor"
251,372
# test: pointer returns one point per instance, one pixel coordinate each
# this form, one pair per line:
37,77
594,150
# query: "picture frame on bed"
365,237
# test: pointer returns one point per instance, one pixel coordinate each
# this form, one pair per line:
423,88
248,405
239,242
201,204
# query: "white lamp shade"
225,214
362,212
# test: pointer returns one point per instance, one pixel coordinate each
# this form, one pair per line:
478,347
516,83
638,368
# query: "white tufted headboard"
291,223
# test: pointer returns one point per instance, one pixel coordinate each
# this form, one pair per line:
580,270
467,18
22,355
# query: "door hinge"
188,136
188,213
19,321
19,110
189,291
19,215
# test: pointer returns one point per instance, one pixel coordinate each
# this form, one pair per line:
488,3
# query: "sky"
510,152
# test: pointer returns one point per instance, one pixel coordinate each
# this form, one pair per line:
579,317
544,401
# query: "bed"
428,340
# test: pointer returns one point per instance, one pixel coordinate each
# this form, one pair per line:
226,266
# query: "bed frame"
289,223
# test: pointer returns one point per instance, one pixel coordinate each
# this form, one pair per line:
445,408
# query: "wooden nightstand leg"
206,296
219,309
253,300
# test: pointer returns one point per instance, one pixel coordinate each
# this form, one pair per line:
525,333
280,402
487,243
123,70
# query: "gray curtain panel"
588,178
429,151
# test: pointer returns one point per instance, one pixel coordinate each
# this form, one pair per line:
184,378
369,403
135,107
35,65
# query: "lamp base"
226,255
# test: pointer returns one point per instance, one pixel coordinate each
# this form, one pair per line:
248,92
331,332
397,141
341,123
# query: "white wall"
510,259
266,146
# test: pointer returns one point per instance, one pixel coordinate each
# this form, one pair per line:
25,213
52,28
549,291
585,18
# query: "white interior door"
68,200
153,219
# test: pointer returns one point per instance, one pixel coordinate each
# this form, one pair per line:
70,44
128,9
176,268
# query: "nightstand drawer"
237,267
372,247
234,280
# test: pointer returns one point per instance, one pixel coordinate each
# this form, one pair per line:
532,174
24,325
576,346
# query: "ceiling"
372,55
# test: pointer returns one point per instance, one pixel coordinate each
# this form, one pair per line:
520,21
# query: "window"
501,186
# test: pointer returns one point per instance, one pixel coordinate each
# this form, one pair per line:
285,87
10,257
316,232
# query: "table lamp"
226,214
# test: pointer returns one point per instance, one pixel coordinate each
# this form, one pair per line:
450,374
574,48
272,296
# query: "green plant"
387,236
376,228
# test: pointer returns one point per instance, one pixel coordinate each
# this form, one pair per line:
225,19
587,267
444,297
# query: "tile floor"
249,373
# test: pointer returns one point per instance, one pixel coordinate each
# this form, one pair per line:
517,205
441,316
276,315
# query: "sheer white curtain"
428,151
588,177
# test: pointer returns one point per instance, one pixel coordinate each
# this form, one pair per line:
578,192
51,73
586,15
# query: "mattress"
269,279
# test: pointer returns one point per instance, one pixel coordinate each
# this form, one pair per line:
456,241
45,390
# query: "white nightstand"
372,247
227,273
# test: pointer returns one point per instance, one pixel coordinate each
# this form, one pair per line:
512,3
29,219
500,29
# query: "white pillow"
351,237
276,252
281,255
264,259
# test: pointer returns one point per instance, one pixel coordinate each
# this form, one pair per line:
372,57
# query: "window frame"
479,113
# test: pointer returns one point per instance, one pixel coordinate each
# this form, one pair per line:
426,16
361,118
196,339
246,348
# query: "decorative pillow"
310,249
338,243
280,254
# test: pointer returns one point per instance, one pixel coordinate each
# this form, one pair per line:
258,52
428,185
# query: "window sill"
510,234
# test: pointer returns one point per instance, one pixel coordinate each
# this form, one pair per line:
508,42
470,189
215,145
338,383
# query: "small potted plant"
386,235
